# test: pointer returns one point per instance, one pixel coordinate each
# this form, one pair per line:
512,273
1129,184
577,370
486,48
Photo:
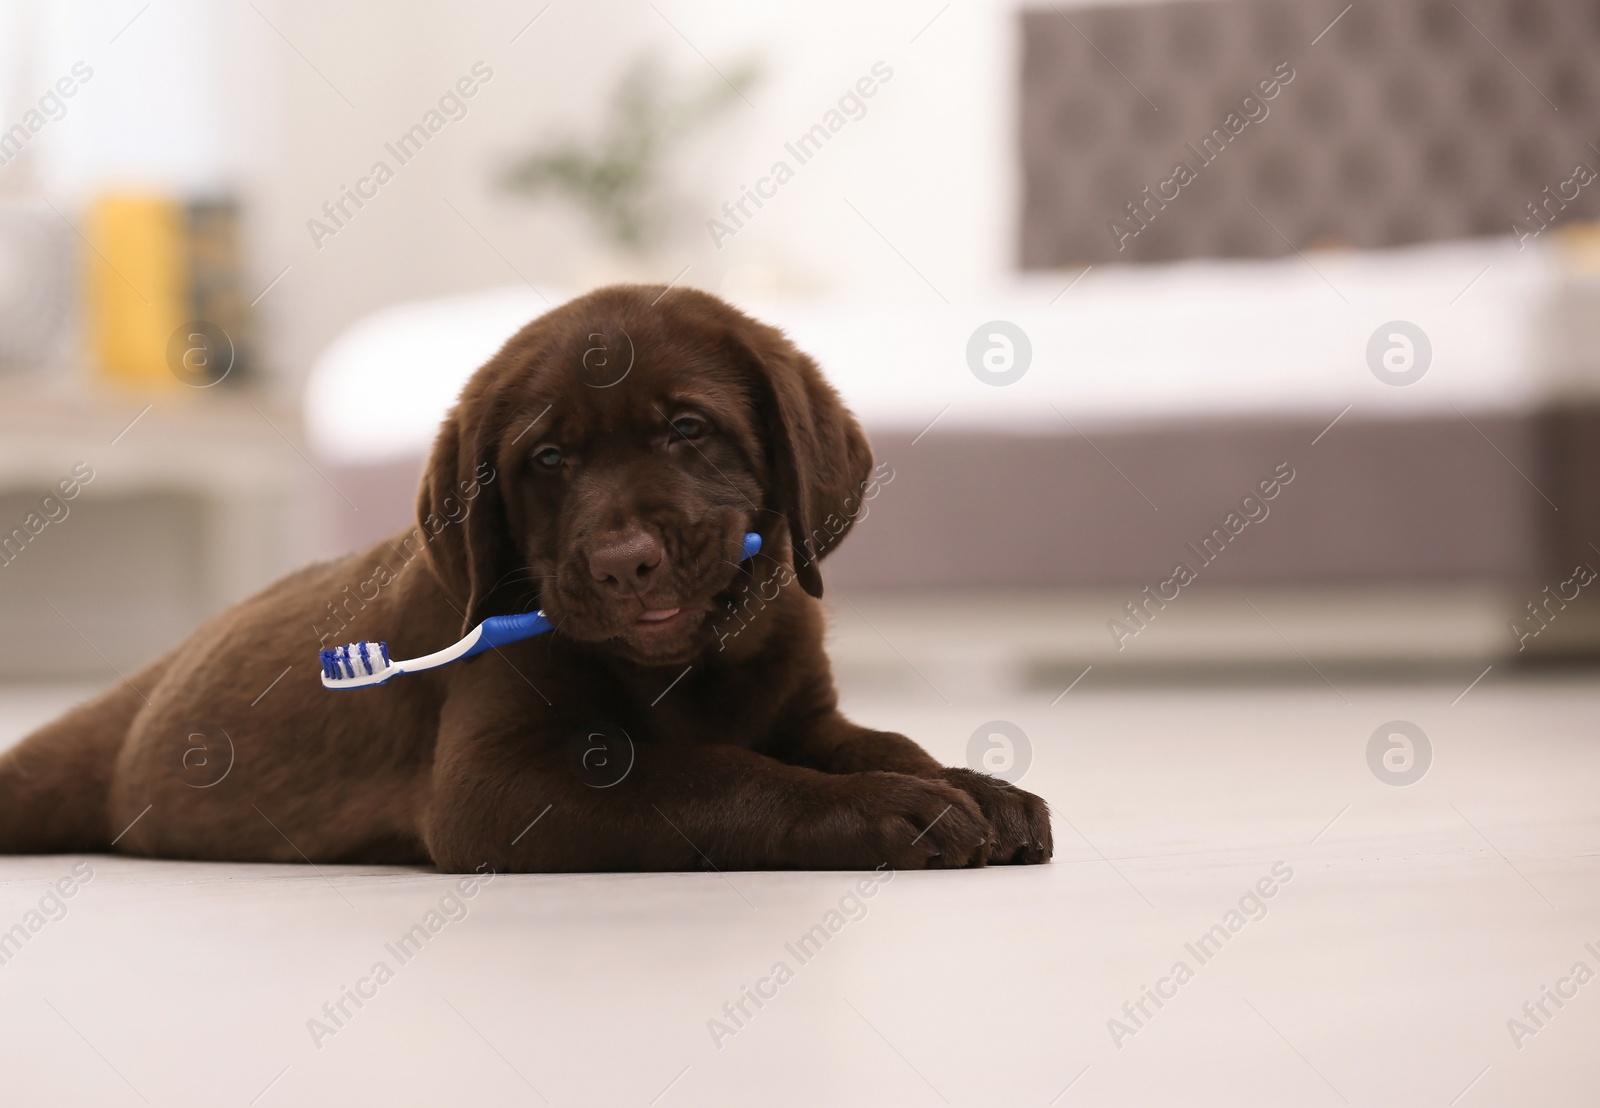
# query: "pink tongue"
658,616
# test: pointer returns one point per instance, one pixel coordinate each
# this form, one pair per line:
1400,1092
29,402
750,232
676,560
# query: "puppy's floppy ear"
819,458
460,513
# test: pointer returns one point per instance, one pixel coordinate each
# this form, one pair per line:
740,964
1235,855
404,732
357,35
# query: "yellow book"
135,279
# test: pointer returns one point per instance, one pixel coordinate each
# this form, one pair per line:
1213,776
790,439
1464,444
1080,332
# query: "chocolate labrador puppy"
603,466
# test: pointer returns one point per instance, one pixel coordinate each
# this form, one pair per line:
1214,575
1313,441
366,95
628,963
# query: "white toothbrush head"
357,664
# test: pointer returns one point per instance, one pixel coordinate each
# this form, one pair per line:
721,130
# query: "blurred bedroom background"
1204,341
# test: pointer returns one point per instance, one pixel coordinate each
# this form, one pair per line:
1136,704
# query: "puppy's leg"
521,803
54,783
1021,820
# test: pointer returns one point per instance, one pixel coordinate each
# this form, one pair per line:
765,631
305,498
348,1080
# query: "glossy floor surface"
1244,909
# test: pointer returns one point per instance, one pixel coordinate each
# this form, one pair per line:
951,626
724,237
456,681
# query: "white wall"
929,165
165,106
255,95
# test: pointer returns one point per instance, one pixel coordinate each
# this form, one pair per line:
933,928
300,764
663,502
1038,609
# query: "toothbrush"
358,665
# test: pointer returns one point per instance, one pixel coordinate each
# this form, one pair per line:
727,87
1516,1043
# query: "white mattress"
1124,344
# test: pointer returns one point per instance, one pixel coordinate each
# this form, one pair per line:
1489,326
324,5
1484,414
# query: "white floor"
1418,920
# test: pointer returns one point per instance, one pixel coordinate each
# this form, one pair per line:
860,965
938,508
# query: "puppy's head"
618,449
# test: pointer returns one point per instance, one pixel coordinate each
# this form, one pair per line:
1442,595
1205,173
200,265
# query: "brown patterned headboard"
1405,121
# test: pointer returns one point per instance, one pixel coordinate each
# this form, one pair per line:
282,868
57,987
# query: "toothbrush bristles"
357,659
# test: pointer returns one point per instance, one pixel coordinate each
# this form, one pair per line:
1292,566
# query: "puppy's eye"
548,458
689,427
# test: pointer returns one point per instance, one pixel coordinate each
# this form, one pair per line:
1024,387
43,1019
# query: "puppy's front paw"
1021,820
902,821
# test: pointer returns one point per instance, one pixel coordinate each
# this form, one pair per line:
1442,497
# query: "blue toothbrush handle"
501,630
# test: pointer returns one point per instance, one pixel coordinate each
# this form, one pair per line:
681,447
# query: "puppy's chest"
709,708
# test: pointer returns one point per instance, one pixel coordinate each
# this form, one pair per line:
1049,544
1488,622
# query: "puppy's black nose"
625,564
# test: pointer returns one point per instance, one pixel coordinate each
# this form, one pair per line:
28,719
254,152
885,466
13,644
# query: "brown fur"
742,761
